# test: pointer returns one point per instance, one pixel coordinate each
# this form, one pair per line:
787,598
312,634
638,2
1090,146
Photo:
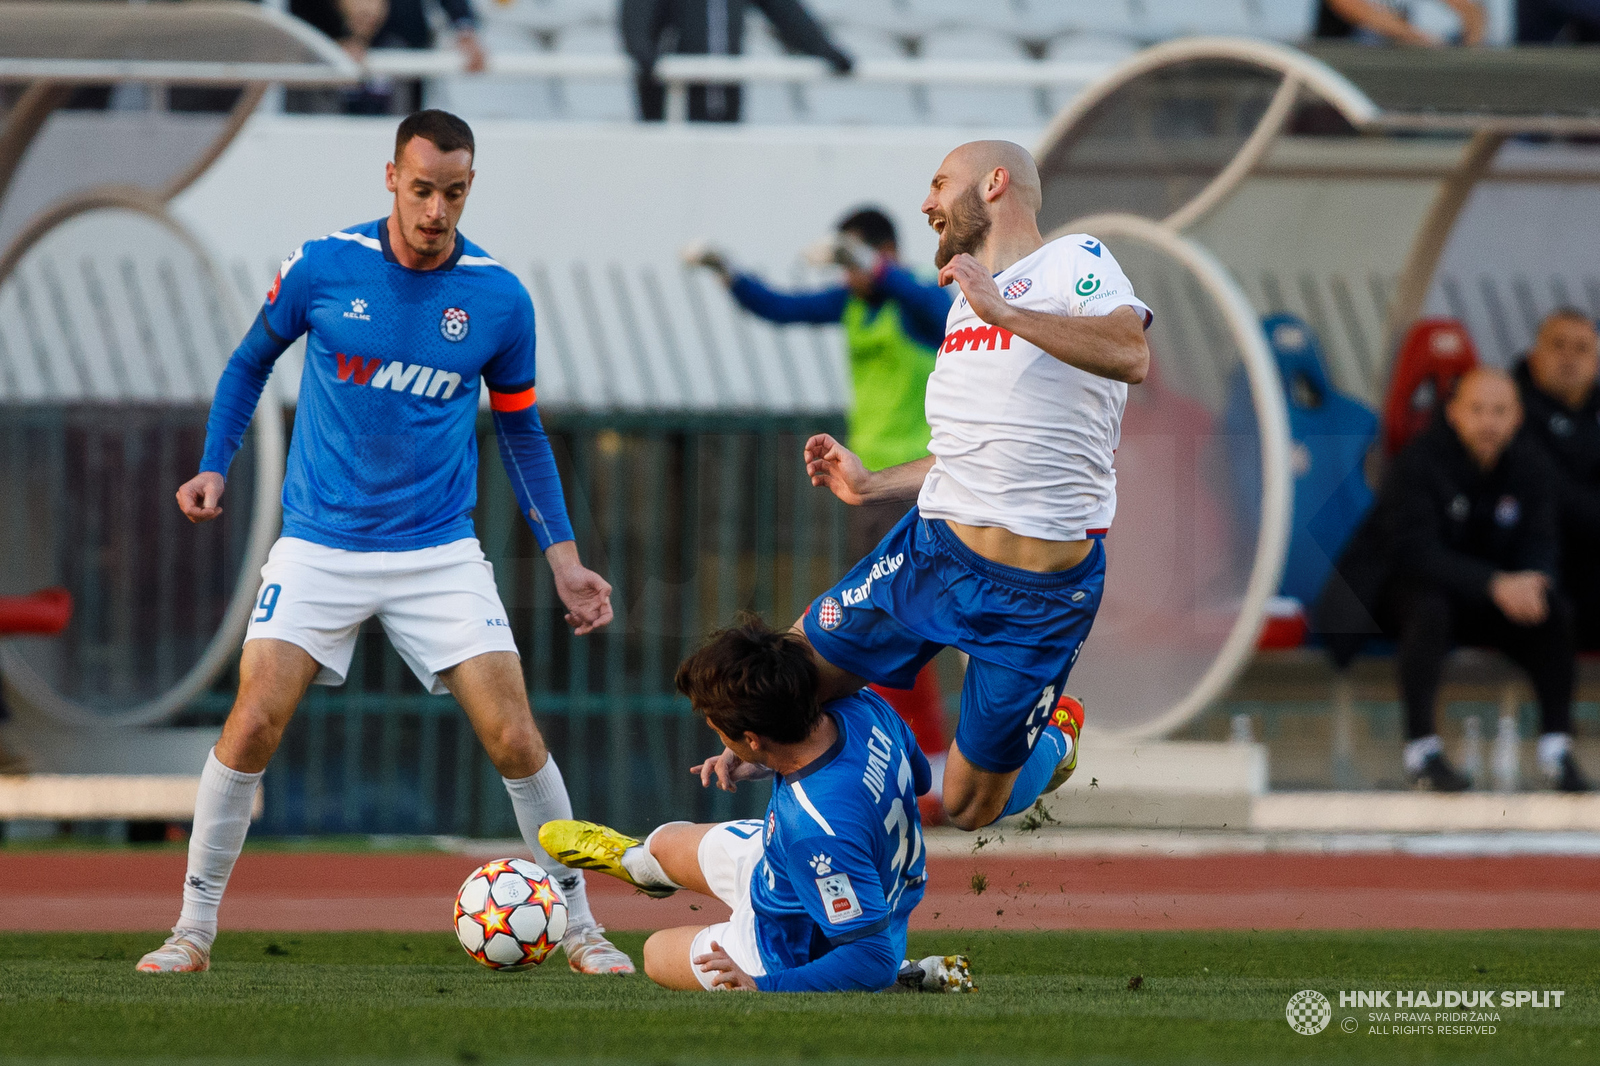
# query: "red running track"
413,891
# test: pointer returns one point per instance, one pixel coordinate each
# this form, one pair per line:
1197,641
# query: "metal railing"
691,520
679,72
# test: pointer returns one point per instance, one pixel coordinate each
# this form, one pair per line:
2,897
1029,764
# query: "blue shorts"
922,590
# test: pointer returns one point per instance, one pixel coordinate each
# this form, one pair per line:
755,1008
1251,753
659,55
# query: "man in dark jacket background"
1463,548
711,27
1562,414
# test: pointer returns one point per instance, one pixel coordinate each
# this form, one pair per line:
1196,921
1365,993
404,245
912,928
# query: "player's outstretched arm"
1108,346
586,594
200,498
838,469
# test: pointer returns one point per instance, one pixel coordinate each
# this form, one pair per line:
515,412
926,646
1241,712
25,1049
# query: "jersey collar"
388,252
821,760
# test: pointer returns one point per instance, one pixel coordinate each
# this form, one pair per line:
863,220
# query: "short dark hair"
871,225
447,132
751,678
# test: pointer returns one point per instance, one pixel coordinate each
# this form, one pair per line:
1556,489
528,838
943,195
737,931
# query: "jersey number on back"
897,823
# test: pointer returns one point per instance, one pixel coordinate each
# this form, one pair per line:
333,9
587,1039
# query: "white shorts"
439,605
729,854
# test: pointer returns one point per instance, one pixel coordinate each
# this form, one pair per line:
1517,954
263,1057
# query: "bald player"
1002,555
1462,548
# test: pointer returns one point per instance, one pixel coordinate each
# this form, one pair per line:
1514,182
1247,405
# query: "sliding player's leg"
1016,740
490,689
658,865
668,958
273,676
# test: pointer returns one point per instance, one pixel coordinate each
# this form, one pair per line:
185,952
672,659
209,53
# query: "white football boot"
936,973
178,955
588,951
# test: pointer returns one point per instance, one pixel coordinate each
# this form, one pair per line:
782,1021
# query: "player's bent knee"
666,959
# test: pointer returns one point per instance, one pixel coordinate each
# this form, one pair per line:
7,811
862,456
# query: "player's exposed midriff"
1000,545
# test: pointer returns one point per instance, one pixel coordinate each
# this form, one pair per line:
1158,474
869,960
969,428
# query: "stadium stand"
956,105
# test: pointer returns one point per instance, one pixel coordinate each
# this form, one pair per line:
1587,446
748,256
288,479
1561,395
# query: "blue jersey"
384,455
844,864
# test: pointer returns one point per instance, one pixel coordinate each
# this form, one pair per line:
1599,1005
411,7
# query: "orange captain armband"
512,397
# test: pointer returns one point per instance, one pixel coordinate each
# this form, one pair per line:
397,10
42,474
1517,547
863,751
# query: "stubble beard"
966,227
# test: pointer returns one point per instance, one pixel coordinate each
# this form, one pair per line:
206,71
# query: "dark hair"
447,132
871,225
753,678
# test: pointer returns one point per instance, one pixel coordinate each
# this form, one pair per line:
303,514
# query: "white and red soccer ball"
510,915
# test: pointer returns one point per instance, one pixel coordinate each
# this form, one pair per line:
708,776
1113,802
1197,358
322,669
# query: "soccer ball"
510,915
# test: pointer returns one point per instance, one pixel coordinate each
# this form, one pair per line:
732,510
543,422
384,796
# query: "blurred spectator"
407,26
1558,21
893,325
1389,22
1462,548
711,27
1557,381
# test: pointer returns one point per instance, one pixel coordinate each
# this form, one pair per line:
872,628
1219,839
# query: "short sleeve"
837,882
511,369
1094,283
288,304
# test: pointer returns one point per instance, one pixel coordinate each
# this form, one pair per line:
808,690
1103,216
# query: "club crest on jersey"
453,326
829,613
283,272
1017,288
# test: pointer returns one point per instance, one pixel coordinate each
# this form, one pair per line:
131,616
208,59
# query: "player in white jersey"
1002,556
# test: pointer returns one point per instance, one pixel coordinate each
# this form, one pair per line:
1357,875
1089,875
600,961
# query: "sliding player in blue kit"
403,318
822,888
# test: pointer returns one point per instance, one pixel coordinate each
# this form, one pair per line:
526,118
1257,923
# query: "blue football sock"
1035,774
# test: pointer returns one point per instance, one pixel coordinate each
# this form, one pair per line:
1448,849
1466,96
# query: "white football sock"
221,820
1553,747
643,866
1417,752
541,798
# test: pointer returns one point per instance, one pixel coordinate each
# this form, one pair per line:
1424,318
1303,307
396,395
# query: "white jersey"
1021,440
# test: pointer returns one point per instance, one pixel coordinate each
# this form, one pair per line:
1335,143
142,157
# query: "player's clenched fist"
200,498
831,464
977,285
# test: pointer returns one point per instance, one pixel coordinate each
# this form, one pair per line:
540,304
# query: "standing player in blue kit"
403,318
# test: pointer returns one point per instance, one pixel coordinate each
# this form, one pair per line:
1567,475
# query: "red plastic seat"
1433,356
42,613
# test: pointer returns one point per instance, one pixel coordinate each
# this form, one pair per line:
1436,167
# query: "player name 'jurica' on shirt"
385,455
844,862
1021,440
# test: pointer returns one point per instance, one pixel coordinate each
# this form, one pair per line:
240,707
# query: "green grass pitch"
1205,997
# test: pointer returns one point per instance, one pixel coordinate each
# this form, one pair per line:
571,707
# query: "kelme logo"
1087,285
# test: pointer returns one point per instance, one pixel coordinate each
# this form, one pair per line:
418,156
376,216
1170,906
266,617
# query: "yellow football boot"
591,846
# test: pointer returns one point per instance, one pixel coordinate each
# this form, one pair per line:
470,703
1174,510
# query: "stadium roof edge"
197,42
